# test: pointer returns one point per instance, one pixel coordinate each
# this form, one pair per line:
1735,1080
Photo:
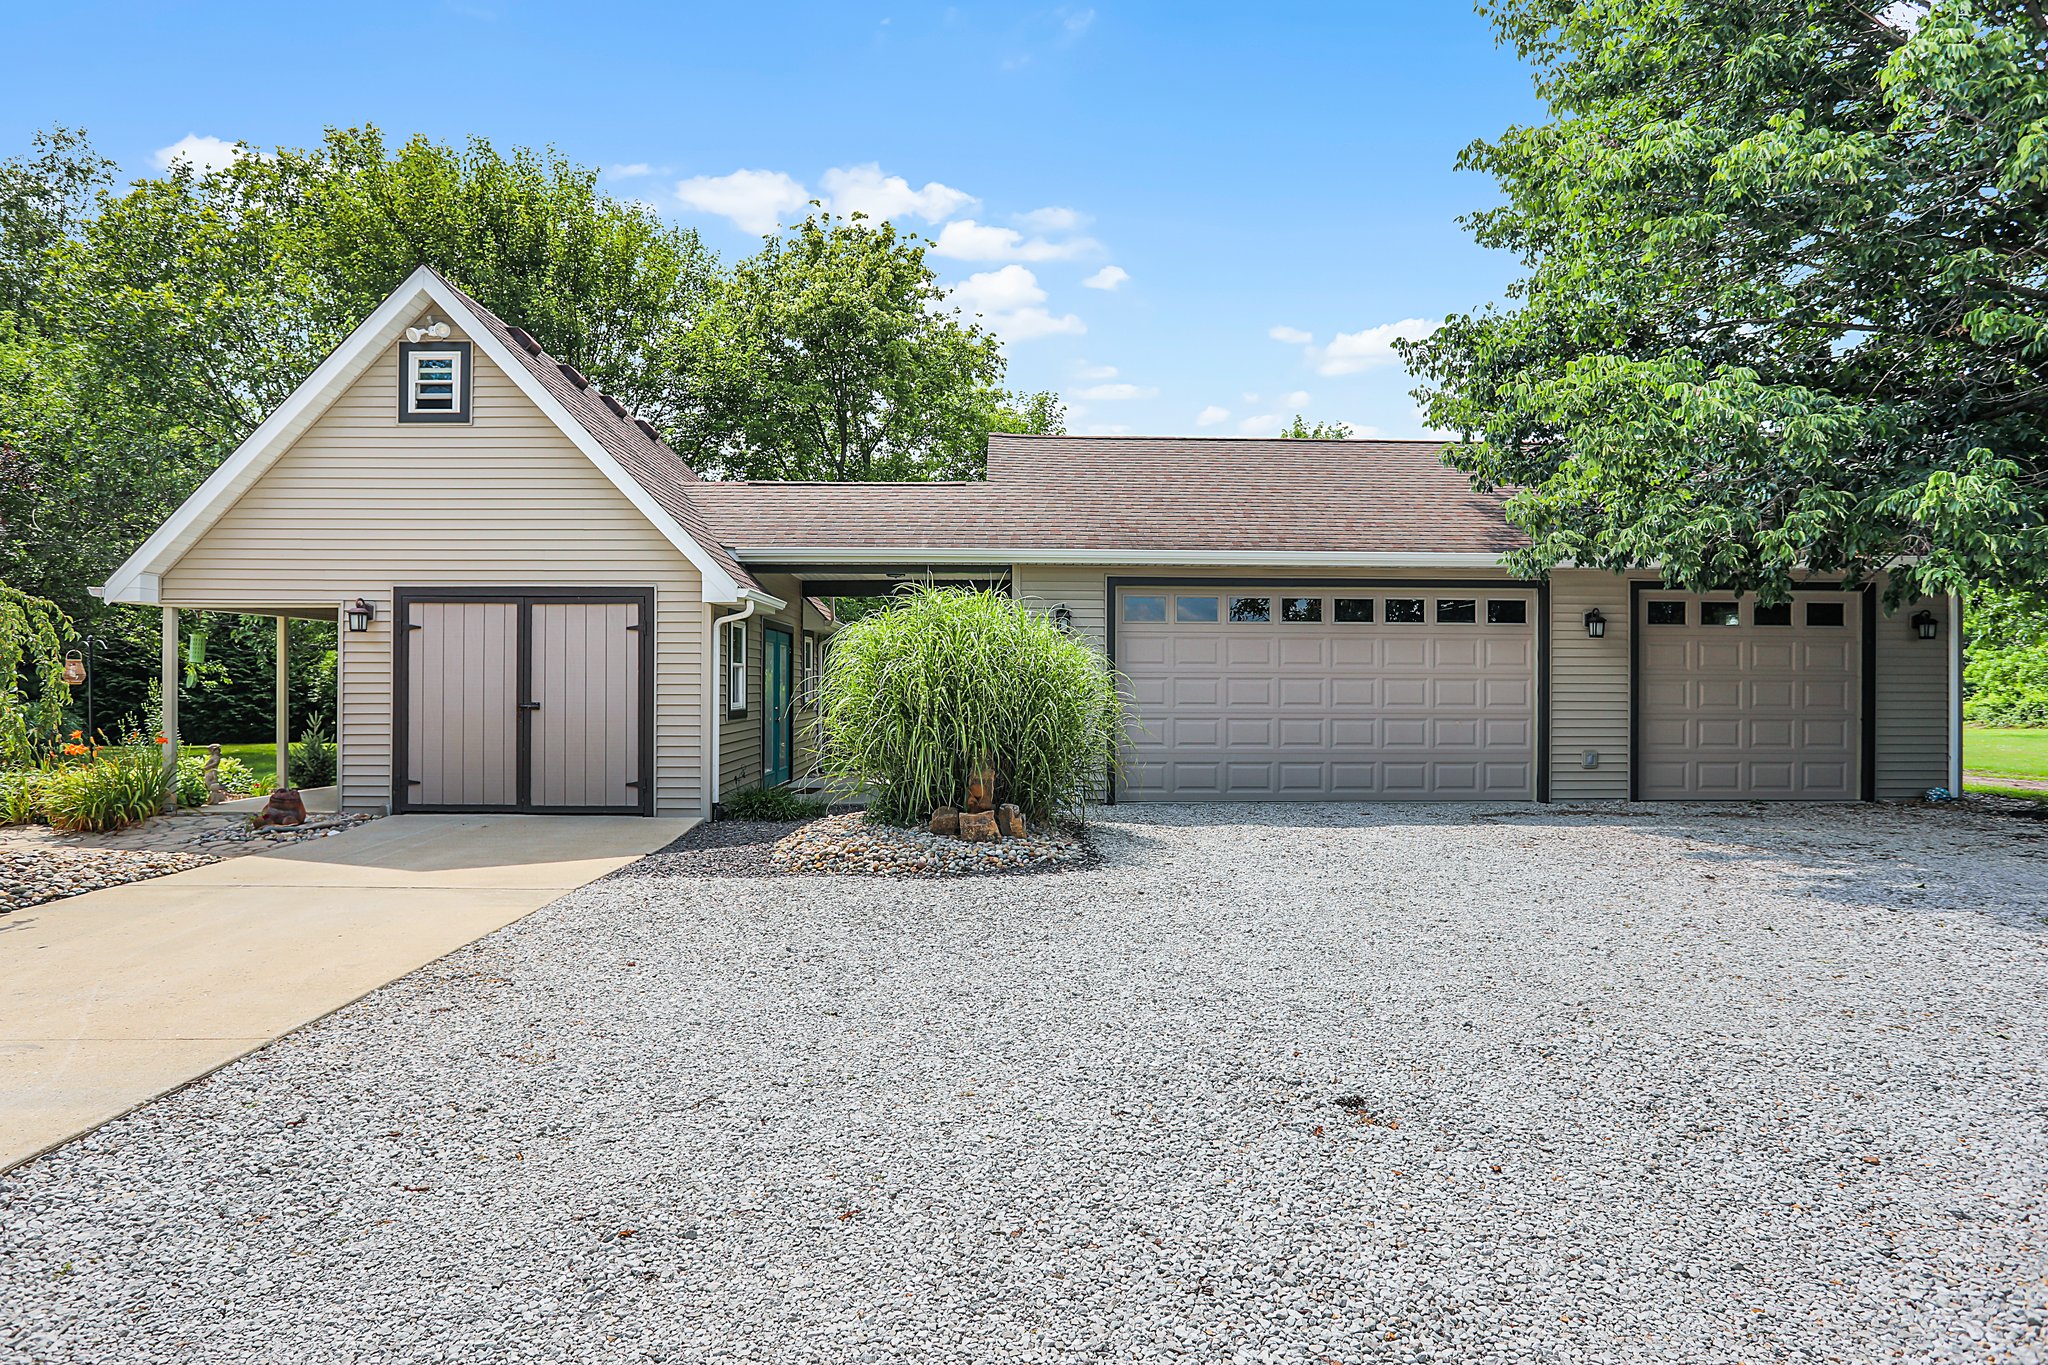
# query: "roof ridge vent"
572,374
525,340
618,408
647,428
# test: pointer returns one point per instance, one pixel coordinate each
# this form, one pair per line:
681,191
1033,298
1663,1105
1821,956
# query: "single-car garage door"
533,701
1735,699
1260,694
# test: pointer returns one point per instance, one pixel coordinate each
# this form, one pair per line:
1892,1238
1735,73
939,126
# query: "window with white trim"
736,668
433,381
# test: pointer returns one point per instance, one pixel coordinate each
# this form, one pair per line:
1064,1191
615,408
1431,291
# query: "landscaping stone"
945,820
852,843
1010,820
981,790
40,875
978,826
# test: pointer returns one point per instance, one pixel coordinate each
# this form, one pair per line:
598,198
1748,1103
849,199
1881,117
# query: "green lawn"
2006,753
261,759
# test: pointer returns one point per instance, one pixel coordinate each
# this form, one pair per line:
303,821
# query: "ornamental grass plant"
121,785
945,680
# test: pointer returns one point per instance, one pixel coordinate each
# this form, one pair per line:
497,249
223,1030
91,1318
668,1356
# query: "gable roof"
650,475
1139,499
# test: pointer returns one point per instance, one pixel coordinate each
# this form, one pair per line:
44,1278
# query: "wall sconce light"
1062,616
1596,624
1926,625
360,613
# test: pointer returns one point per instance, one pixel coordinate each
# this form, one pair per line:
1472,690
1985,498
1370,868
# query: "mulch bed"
849,844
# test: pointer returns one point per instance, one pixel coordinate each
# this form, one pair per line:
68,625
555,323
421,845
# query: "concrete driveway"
110,999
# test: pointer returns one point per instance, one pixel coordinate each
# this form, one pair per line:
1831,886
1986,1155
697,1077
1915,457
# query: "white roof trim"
1321,559
137,579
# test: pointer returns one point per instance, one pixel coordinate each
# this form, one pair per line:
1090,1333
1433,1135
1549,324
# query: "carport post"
284,732
170,716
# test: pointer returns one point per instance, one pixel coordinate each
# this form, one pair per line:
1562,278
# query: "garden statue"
215,792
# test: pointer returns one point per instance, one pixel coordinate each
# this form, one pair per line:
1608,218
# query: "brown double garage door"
1254,693
530,701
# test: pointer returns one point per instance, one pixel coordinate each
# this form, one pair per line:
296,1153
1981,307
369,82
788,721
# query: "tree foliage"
33,633
1301,429
1786,300
2005,674
833,354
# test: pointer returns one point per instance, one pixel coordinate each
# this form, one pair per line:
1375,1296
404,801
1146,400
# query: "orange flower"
78,734
163,739
74,749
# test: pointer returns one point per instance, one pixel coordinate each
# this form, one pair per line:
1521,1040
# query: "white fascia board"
1010,555
767,599
136,580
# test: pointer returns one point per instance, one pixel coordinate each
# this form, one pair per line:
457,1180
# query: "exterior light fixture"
1926,625
1596,624
436,330
360,613
1063,616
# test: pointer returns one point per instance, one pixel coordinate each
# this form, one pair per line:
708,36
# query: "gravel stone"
36,876
852,843
1284,1084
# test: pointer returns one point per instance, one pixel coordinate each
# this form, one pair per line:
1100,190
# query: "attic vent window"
433,381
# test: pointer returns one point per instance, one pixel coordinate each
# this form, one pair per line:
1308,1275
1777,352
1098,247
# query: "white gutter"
1011,554
1955,695
722,669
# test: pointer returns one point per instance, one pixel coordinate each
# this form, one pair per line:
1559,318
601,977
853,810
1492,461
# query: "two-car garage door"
1257,694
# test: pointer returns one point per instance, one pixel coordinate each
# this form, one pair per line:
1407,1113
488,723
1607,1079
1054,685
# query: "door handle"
529,706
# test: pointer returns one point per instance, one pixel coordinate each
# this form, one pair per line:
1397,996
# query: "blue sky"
1186,218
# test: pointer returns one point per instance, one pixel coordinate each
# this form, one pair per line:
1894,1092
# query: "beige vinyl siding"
1588,687
740,760
1912,701
363,504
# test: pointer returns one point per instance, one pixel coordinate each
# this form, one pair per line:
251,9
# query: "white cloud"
1265,424
1009,301
1109,277
1297,399
1110,393
1211,415
1096,371
1053,219
203,154
1352,352
967,240
1293,336
629,171
754,200
1075,22
1251,398
998,291
864,189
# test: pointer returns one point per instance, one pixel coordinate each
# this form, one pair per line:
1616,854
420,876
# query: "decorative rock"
945,820
852,844
979,826
285,807
1010,820
981,790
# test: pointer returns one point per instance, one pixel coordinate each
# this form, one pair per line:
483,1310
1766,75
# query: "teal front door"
775,719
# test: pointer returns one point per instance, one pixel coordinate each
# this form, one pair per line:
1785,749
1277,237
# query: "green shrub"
21,795
2007,687
314,759
234,776
117,788
771,803
916,696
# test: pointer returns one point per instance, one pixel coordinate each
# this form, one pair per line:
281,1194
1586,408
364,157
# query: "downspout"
1955,694
721,669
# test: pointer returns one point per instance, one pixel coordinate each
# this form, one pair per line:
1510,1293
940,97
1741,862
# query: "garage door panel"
1768,712
1352,710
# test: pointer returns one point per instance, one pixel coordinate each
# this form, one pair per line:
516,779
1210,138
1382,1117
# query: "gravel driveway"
1310,1084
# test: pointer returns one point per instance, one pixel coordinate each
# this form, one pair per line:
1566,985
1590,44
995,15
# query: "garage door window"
1780,615
1720,614
1251,608
1456,611
1355,609
1510,611
1301,609
1666,614
1144,609
1823,613
1406,611
1201,610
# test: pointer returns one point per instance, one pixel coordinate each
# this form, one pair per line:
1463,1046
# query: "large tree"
1786,293
834,354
